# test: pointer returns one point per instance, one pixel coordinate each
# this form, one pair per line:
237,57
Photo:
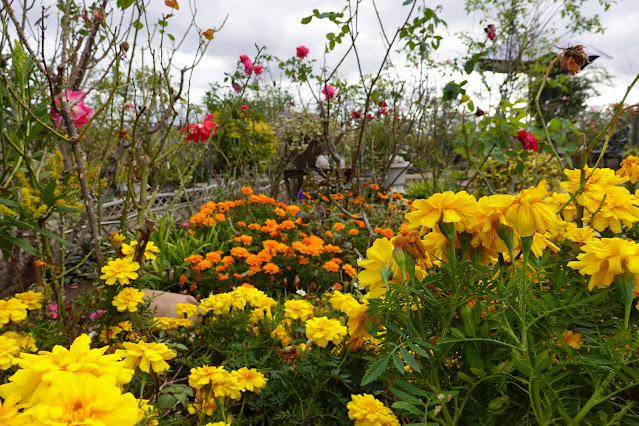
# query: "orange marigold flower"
214,256
241,224
244,239
246,190
331,266
574,340
203,265
271,268
194,258
349,269
374,187
279,212
240,252
303,260
182,280
222,277
254,226
338,226
220,217
329,234
353,231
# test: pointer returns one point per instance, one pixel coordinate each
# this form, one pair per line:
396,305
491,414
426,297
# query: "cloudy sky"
276,26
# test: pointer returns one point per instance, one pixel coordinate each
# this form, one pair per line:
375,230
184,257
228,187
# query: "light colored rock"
163,303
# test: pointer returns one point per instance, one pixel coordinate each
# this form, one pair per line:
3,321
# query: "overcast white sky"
276,25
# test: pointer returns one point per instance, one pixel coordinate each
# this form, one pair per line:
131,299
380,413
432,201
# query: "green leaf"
306,20
54,236
22,244
124,4
375,370
399,365
413,390
418,350
403,405
409,359
138,25
407,2
405,396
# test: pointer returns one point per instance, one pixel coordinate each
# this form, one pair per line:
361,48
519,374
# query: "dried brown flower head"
410,242
574,58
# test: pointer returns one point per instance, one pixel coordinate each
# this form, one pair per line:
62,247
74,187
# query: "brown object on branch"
574,58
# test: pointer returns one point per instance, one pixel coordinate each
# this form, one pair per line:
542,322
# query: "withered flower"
574,58
409,241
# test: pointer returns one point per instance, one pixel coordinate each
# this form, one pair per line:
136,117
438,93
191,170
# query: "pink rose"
355,115
328,91
244,108
80,113
302,52
248,65
258,69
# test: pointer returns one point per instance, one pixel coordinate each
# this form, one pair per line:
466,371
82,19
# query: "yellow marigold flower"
37,372
150,250
339,299
574,340
9,349
120,270
206,406
148,415
629,168
31,298
580,235
147,355
186,309
367,411
298,309
282,335
529,213
250,380
540,243
558,200
12,310
116,237
619,206
379,255
86,399
605,258
323,330
128,299
459,208
9,415
26,342
221,382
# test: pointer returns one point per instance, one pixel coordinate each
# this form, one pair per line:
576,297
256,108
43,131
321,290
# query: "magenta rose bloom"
328,91
80,113
302,52
202,131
